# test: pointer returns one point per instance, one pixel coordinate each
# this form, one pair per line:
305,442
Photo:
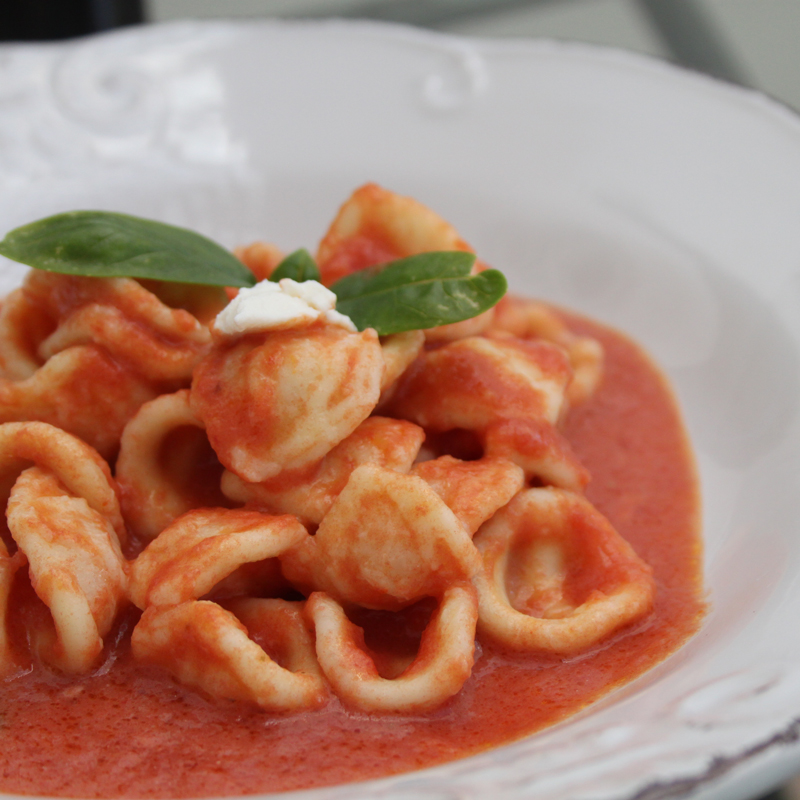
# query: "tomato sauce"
128,730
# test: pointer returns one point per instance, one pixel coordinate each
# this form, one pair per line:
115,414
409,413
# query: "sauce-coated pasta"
410,546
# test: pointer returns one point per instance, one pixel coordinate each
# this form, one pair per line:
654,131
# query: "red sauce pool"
129,731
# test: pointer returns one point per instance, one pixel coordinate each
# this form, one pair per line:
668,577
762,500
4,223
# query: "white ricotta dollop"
278,306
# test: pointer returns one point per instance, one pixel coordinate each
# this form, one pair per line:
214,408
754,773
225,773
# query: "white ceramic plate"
656,200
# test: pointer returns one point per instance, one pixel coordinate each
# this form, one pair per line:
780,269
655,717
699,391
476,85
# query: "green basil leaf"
424,304
299,266
414,269
105,244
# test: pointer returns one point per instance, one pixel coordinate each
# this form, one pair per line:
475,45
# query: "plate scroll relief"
113,101
461,80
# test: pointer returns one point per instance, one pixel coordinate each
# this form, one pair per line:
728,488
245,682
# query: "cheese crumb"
279,306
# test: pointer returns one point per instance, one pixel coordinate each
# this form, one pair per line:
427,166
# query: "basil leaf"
299,266
424,304
105,244
424,266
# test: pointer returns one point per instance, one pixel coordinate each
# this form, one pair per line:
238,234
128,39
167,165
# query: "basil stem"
299,266
105,244
422,291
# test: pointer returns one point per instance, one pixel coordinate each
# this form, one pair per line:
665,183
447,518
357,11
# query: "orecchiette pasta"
64,515
79,468
261,258
537,447
399,352
81,390
160,477
84,353
443,664
75,565
278,402
120,315
387,541
208,648
204,546
473,490
389,443
205,645
510,392
476,381
527,320
556,576
375,226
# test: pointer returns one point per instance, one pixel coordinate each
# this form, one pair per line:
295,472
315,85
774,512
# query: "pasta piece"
474,490
127,341
75,565
556,576
387,541
23,327
205,645
529,319
477,381
119,314
76,465
389,443
201,548
156,488
443,664
84,353
539,449
375,226
260,258
587,357
508,392
81,390
279,402
281,629
208,648
399,351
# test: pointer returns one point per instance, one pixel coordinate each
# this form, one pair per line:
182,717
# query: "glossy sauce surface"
131,731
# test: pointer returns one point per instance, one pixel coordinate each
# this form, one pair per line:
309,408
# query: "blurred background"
754,43
751,42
